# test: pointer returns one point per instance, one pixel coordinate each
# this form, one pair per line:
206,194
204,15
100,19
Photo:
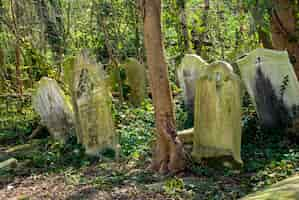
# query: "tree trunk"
54,29
257,13
264,38
198,38
183,23
169,154
113,59
139,32
16,15
2,55
283,28
18,70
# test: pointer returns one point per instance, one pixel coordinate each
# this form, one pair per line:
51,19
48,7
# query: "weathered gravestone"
136,78
188,73
287,189
217,123
272,84
92,102
9,163
54,109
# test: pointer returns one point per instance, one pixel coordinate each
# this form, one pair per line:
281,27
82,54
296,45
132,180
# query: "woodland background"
37,37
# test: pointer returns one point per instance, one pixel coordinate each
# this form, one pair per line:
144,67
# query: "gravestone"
287,189
272,84
92,102
136,78
54,109
217,123
188,73
9,163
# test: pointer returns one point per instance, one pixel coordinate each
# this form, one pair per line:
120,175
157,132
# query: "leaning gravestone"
136,78
92,102
217,123
272,84
54,109
287,189
188,73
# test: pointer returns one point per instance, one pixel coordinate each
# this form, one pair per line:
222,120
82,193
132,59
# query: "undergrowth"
268,155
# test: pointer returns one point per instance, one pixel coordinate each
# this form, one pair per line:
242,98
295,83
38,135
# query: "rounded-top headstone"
188,73
136,78
217,121
54,108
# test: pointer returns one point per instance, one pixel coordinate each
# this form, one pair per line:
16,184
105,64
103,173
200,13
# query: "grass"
269,156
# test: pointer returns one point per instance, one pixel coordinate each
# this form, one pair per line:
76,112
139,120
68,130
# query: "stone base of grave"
294,127
222,162
186,136
206,154
213,158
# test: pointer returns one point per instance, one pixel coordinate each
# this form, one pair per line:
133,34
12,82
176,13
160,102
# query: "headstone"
9,163
188,72
54,108
136,78
92,102
217,123
272,84
287,189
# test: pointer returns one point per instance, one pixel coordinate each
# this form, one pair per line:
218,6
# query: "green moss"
217,124
92,103
136,78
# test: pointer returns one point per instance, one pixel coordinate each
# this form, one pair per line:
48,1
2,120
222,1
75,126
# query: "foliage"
135,127
54,155
268,158
112,30
17,119
175,187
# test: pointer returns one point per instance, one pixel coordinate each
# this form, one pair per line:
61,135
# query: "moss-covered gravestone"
54,109
92,102
287,189
272,84
188,73
136,78
217,123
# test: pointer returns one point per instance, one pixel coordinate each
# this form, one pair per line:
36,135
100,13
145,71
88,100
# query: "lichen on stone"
217,123
92,102
188,73
272,85
136,79
54,108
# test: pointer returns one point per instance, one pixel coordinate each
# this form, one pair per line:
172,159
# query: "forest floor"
41,174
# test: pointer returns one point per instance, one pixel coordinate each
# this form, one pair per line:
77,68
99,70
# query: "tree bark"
138,32
2,55
16,15
183,23
257,13
264,38
198,38
54,29
283,27
112,57
18,70
169,154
